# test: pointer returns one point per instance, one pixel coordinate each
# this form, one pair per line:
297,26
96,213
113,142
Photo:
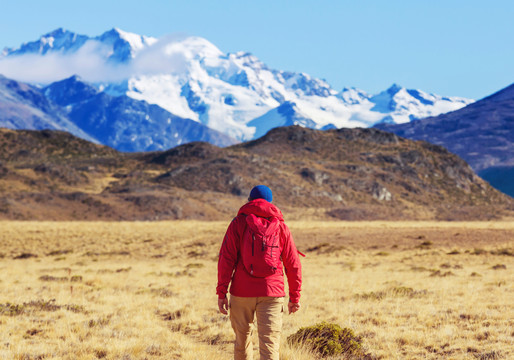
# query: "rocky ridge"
351,174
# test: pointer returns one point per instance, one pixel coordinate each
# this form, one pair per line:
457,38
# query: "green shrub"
328,340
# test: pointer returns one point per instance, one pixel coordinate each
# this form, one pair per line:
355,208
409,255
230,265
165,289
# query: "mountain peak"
247,59
353,96
288,106
57,32
69,91
120,34
60,40
114,32
125,44
393,89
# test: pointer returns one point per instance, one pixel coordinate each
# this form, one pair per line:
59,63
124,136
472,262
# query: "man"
256,247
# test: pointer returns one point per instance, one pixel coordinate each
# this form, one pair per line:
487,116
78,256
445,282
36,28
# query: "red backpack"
260,250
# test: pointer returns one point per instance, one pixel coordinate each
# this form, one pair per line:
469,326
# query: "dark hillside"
337,174
481,133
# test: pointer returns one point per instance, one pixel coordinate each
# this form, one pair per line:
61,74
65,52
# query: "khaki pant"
269,311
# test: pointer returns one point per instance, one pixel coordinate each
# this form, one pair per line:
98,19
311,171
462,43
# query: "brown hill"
20,146
341,174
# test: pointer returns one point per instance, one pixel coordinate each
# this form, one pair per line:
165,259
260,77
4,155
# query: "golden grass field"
146,290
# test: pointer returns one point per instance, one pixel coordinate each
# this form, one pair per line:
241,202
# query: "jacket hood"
261,208
262,226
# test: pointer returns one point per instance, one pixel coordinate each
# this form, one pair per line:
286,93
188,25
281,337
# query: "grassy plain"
146,290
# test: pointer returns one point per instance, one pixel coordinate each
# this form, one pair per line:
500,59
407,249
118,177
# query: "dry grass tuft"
325,248
506,252
37,305
499,267
398,292
25,256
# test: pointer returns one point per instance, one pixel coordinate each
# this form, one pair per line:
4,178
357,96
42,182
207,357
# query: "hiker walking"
256,247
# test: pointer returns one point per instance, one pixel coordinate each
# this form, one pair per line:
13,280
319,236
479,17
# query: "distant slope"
352,174
500,177
127,124
481,133
23,106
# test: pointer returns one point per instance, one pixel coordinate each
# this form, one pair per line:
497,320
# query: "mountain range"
137,93
118,121
118,75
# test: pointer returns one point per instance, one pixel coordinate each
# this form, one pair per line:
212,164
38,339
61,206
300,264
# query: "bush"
328,340
506,252
499,267
424,245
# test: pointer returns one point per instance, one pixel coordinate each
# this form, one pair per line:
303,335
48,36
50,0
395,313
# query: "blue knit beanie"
261,192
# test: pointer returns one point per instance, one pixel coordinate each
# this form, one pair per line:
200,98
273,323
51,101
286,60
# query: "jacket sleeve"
227,258
292,266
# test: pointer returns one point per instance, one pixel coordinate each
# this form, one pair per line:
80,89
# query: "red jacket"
231,269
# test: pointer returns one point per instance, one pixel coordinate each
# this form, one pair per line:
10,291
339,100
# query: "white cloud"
90,63
156,59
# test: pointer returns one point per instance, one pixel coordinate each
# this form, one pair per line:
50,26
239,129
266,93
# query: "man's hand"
223,305
293,307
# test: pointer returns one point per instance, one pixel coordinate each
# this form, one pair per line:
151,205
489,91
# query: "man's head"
261,192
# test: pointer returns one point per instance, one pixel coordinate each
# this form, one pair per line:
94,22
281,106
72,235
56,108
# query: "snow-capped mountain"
124,123
233,93
118,44
58,40
286,114
403,105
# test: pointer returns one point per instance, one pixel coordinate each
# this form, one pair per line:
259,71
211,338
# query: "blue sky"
452,47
